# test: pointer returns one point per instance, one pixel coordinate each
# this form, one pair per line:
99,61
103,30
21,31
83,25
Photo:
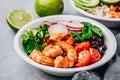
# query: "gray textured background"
12,67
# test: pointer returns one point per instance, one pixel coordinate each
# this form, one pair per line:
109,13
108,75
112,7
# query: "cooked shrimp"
71,54
65,46
57,36
69,49
52,51
62,36
59,61
69,39
62,62
39,57
70,58
67,62
35,53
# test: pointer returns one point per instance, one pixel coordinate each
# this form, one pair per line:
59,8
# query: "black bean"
103,49
94,38
101,41
97,42
96,47
102,52
94,42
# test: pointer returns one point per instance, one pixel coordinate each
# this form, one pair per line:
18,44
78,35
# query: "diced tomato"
83,58
95,55
82,46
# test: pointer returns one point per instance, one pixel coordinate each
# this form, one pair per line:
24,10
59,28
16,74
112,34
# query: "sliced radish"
57,28
74,29
69,27
75,21
63,22
75,25
45,22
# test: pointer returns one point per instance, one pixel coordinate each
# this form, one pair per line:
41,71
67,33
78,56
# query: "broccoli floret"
34,32
26,36
33,39
44,27
42,46
30,46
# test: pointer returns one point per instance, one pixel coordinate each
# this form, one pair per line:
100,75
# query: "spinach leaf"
76,36
87,35
94,28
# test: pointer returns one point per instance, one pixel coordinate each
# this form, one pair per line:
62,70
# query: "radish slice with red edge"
75,30
75,21
45,22
63,22
75,25
57,28
69,27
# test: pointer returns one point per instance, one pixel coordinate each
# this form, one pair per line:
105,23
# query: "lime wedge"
18,18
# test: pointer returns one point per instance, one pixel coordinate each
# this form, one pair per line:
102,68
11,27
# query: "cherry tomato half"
95,55
83,58
82,46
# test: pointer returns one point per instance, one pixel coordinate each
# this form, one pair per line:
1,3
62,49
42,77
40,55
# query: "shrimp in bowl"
60,51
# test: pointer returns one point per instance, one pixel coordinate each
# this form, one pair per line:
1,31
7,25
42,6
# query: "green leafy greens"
33,39
87,32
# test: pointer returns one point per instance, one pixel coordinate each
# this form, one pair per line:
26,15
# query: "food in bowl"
64,44
109,40
101,8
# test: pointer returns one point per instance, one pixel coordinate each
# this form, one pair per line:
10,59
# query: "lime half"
18,18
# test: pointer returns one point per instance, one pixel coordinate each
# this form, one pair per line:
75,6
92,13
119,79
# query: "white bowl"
109,22
110,41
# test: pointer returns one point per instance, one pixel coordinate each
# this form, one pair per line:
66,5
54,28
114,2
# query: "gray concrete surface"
12,67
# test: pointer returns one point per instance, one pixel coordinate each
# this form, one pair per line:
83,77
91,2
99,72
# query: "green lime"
49,7
18,18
